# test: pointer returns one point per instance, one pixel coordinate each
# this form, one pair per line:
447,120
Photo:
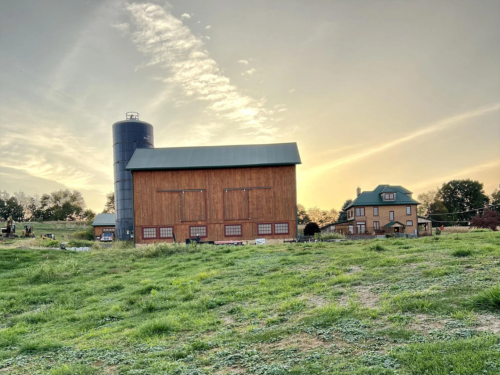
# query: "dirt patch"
302,341
489,323
366,296
315,301
354,269
425,323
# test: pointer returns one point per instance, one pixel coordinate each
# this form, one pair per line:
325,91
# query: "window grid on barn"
166,232
108,229
232,230
198,231
148,232
265,229
281,228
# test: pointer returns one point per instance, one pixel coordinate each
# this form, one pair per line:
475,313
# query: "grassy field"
62,229
425,306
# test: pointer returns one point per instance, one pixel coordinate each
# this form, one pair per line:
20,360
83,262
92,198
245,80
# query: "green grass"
394,306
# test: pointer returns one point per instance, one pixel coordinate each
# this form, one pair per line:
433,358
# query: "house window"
389,196
349,213
408,210
232,230
391,215
375,211
361,227
281,228
200,231
166,232
376,225
409,223
360,211
108,229
351,228
264,229
148,233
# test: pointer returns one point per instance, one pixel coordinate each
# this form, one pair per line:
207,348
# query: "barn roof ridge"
206,157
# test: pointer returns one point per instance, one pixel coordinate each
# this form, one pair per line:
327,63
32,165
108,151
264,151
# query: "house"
217,193
103,223
387,209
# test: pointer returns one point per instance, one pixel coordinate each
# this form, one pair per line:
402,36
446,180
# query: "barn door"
193,206
236,204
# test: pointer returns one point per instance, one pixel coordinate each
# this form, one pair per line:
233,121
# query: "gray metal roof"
104,220
214,157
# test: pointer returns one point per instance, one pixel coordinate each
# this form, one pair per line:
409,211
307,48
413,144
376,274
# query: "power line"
462,212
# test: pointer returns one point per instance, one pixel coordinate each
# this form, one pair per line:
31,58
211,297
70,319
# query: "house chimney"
358,191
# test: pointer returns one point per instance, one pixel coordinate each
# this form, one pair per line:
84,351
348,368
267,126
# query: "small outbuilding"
103,223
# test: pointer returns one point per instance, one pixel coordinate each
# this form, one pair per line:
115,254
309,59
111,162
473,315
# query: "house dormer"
387,197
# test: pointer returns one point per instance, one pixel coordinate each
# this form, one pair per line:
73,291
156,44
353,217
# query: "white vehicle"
107,237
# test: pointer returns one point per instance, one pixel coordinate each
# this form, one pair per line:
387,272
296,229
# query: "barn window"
281,228
200,231
148,233
232,230
264,229
108,229
166,232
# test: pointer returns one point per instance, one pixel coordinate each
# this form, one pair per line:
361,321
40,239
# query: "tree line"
61,205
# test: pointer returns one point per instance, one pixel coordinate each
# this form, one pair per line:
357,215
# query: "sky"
373,92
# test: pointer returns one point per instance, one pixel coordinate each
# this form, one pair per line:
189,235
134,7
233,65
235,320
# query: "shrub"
461,253
438,232
311,229
488,299
87,234
377,247
329,236
489,219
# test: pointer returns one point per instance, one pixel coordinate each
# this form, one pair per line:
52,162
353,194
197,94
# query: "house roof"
373,198
104,220
392,223
214,157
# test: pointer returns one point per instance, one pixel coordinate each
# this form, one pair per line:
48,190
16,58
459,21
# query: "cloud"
291,90
244,62
249,72
171,45
185,16
439,126
208,27
124,28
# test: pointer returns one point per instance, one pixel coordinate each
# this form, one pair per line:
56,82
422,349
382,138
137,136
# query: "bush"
377,247
311,229
87,234
438,232
79,243
329,236
488,299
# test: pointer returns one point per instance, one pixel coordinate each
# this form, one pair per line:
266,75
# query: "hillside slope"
425,306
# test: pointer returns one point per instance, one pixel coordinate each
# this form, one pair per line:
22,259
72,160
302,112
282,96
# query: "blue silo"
128,135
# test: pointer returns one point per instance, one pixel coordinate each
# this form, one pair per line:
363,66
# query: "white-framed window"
408,210
149,233
375,211
166,232
198,231
108,229
376,225
264,228
389,196
360,211
281,228
361,227
409,223
232,230
391,215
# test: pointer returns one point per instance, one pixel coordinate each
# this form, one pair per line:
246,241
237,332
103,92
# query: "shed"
103,223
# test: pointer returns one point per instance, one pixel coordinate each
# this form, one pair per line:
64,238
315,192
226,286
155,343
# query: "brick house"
387,209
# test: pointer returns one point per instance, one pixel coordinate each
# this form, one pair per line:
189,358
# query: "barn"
217,193
103,223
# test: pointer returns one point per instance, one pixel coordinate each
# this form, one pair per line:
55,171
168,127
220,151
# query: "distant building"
103,223
387,209
218,193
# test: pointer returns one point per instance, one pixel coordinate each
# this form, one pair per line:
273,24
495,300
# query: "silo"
128,135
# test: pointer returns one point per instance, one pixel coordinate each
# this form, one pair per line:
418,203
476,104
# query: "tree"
109,207
89,215
302,216
495,200
489,219
437,212
10,207
322,217
311,228
343,211
426,199
462,195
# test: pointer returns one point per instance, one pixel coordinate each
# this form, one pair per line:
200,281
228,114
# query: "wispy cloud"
208,27
291,90
249,72
439,126
244,62
124,28
168,43
185,16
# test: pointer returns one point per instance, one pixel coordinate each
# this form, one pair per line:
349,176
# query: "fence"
362,230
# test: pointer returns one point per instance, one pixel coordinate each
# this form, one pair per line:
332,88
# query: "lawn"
394,306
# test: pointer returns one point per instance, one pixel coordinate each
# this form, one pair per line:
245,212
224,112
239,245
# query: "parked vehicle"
107,237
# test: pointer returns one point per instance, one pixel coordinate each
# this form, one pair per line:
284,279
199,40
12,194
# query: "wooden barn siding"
154,209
